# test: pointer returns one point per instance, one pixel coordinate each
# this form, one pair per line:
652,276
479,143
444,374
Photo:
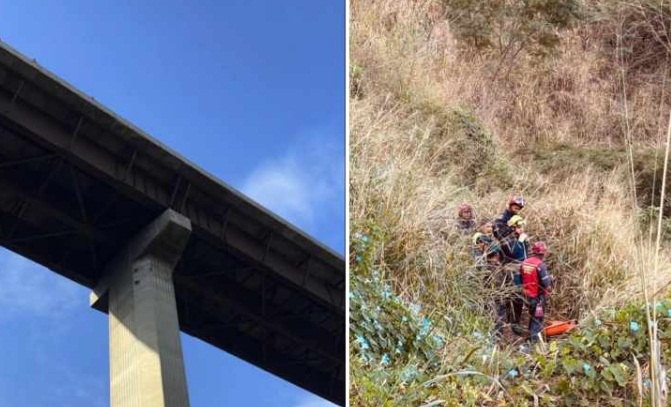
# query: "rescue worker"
515,249
536,285
485,227
465,221
515,246
500,226
496,280
481,244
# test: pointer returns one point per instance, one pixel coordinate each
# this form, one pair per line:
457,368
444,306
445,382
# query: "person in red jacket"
536,285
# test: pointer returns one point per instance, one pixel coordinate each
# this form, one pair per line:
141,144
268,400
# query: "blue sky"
251,91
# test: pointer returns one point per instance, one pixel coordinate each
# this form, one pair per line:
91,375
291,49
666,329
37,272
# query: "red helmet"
516,200
539,248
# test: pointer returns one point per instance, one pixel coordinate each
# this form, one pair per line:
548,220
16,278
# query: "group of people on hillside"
513,266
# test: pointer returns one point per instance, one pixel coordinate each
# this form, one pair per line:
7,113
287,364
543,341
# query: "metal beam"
5,165
43,206
29,238
250,249
244,303
294,370
38,257
85,154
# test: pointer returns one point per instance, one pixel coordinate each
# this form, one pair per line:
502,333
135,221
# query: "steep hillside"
565,102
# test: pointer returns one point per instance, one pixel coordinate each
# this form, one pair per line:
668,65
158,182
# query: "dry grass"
413,78
405,50
426,108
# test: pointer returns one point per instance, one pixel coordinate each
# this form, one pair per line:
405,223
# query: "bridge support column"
146,362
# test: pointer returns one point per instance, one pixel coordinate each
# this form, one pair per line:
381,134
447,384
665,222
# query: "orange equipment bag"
560,327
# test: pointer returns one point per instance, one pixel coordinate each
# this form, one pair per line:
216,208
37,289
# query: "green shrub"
463,145
561,159
599,364
384,328
512,25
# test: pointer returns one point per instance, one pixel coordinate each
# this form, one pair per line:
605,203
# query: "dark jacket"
499,281
465,226
479,256
514,250
500,225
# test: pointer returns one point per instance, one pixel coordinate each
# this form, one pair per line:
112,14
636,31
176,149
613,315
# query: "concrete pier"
79,184
146,362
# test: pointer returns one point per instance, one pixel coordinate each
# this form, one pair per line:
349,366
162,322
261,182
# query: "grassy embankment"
460,100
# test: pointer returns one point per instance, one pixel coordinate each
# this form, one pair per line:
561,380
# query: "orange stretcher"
559,327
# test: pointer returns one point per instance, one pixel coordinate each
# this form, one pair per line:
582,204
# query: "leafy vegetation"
557,160
399,357
565,102
511,26
386,329
465,138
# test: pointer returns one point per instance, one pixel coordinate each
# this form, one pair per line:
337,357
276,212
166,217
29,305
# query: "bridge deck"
77,181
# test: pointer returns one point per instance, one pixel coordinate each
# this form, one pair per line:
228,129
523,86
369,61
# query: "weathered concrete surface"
146,362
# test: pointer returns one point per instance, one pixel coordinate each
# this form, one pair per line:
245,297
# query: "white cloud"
27,288
304,183
313,401
281,187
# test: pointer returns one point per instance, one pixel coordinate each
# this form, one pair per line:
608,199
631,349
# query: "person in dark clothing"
465,221
496,281
536,285
482,244
484,229
515,249
500,226
515,246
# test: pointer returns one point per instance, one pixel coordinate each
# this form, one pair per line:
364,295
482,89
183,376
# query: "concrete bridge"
163,246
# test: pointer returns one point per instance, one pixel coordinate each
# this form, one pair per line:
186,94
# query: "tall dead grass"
426,107
412,76
406,49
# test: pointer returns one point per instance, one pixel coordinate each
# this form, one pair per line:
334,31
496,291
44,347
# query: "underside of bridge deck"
77,182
